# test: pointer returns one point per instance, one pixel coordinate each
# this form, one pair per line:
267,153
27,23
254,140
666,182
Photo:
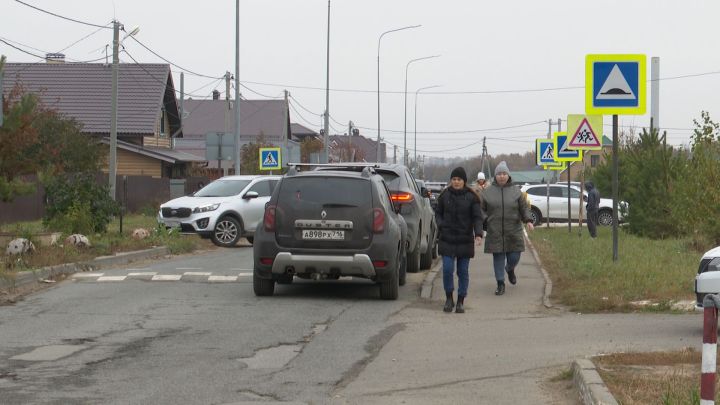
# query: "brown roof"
256,116
84,91
366,147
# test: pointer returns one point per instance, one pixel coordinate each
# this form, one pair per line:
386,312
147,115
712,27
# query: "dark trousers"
592,223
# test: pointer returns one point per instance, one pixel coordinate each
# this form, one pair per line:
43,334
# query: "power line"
10,43
174,64
260,94
60,16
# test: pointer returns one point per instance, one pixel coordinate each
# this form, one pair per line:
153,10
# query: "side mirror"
250,195
424,192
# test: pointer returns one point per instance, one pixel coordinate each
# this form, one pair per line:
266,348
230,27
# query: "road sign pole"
547,182
615,186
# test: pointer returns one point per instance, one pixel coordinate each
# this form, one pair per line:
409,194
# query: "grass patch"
653,378
564,375
586,279
105,244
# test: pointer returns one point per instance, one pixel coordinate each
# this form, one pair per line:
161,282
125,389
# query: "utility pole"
285,132
327,90
484,159
2,73
112,169
395,154
547,192
655,93
182,100
350,129
237,86
226,116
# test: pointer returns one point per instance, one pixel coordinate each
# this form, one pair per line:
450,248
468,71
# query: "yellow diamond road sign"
615,84
585,132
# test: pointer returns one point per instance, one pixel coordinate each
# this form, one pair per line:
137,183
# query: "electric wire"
60,16
172,63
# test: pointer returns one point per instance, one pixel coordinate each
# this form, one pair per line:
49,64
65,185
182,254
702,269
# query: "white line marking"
239,269
222,278
188,268
143,269
148,273
87,275
167,277
245,275
112,278
197,273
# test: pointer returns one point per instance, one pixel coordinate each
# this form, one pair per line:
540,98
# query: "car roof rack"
366,168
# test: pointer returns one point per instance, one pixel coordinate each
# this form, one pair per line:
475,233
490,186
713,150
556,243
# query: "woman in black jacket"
460,220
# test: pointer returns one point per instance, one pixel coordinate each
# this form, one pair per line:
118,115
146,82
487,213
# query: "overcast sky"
484,45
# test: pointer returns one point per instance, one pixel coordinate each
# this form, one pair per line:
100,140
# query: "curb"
590,385
29,277
546,276
427,285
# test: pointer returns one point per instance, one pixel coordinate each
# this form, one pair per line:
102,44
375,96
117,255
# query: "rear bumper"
355,265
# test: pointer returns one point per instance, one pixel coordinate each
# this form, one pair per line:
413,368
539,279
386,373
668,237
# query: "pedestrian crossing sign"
560,166
270,159
561,151
615,84
586,130
544,152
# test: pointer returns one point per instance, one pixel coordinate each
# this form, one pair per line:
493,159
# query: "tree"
309,146
249,155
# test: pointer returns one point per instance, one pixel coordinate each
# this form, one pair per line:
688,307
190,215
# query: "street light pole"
237,88
416,97
326,122
377,147
405,152
112,164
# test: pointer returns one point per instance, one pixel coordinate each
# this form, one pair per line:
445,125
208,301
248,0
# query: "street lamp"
378,81
405,152
416,97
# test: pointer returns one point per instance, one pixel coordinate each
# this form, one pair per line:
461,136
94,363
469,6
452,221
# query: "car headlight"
206,208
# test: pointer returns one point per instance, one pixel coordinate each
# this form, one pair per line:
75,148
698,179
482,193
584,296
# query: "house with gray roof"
355,148
148,118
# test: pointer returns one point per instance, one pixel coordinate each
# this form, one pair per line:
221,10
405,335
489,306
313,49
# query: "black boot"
449,303
460,307
511,276
500,288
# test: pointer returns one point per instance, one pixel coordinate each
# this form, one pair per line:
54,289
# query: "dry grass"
652,378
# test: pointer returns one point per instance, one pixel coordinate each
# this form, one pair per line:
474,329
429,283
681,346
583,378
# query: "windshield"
223,188
392,179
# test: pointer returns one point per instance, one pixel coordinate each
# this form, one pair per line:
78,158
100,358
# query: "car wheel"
263,287
227,232
426,257
250,239
413,258
536,216
390,289
605,218
403,267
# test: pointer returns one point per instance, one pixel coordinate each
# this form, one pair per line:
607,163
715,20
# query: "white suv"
707,280
537,193
225,210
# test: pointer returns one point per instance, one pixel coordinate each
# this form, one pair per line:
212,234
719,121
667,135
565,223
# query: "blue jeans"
500,260
462,271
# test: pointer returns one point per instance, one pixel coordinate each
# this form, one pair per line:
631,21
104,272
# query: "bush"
78,204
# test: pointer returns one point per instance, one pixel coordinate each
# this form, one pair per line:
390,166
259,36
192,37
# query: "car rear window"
326,191
393,181
223,188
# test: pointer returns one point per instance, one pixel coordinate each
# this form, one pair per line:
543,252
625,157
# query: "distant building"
355,148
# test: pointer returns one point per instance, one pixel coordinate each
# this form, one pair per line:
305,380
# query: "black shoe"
500,288
460,307
511,277
449,303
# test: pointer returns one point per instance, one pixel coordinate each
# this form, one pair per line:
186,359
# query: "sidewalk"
503,349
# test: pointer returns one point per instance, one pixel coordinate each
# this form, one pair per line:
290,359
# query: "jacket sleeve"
440,210
524,207
478,216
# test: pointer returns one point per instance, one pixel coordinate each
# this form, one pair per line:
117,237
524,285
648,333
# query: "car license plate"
321,234
172,224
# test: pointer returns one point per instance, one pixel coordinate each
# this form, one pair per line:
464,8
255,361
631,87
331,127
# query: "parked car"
537,194
225,210
435,188
708,275
331,223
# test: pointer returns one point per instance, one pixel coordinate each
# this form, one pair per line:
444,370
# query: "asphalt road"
167,332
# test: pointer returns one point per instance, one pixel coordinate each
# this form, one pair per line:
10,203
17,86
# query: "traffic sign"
544,152
561,151
270,159
586,131
615,84
562,166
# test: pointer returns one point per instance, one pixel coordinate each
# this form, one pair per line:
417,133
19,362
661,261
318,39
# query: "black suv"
330,223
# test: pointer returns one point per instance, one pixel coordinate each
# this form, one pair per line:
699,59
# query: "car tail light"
269,218
379,263
266,261
402,197
378,220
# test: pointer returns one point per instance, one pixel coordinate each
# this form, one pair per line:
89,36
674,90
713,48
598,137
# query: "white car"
707,280
537,194
225,210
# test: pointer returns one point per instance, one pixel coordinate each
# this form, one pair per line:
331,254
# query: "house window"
162,122
594,160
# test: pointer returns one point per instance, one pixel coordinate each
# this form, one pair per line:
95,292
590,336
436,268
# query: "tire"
403,268
536,216
227,232
426,258
250,239
605,218
413,258
390,289
263,287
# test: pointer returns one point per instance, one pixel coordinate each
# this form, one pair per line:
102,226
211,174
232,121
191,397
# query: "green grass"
586,279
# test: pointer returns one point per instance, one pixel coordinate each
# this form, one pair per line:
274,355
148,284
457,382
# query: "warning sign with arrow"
586,132
270,159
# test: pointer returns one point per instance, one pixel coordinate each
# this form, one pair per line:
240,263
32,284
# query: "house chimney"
55,57
216,95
